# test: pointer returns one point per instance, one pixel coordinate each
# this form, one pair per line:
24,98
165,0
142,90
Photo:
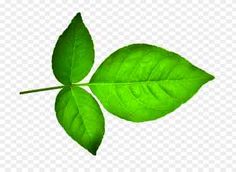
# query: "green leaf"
80,115
143,82
73,55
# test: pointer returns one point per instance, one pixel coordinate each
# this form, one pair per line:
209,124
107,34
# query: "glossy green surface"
143,82
73,54
80,115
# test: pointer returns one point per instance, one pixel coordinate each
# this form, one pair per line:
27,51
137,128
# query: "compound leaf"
73,55
80,115
143,82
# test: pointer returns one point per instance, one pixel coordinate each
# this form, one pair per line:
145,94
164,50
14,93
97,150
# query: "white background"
199,136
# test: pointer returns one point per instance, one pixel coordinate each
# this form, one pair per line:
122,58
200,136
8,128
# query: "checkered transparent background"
199,136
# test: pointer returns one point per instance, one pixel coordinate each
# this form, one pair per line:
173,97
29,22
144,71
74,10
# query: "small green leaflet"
138,83
73,55
81,117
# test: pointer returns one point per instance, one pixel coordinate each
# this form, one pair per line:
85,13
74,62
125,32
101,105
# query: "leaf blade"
143,82
80,116
73,55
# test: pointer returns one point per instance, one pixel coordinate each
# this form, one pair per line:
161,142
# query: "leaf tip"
93,148
78,17
93,151
211,77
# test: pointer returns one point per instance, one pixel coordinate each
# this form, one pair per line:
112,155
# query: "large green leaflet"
139,82
143,82
81,117
73,54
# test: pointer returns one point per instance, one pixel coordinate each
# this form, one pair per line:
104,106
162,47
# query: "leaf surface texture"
73,55
142,82
80,115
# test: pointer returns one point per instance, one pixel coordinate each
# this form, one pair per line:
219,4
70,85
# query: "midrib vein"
136,82
73,54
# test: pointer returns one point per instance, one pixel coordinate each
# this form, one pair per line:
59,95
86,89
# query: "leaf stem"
41,89
53,88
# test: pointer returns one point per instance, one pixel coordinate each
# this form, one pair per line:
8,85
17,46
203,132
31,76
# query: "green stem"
52,88
84,84
41,89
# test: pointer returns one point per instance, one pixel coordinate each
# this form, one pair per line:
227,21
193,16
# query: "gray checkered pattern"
199,136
